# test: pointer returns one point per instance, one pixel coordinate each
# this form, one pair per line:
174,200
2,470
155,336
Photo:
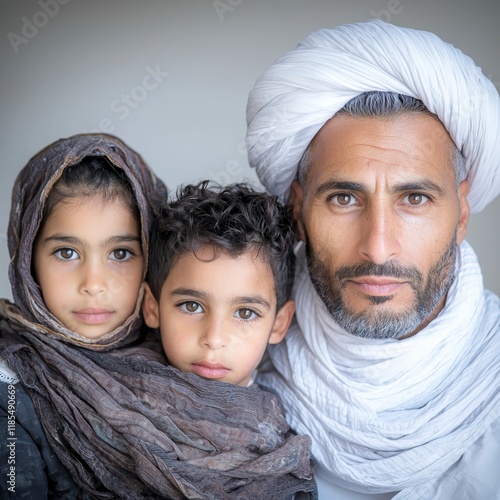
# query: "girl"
97,414
78,238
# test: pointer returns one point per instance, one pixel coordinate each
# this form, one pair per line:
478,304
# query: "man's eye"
343,199
246,314
66,254
191,307
416,198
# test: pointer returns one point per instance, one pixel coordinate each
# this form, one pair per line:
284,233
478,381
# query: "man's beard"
376,324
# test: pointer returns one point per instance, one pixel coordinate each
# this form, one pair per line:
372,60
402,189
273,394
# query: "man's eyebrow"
333,185
423,185
420,185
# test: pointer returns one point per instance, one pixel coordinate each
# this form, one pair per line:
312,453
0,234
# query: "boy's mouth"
206,369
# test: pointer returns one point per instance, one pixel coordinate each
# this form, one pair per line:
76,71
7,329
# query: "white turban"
305,87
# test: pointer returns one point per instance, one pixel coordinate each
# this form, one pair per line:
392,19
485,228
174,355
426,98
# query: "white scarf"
385,415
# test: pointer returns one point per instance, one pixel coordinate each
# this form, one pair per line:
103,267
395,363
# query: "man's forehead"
398,144
403,126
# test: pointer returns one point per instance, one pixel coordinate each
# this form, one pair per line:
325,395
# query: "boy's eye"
191,307
120,254
246,314
66,254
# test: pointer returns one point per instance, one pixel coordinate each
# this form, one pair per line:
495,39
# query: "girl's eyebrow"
73,240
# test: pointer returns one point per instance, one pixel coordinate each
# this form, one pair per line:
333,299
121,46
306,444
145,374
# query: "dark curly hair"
234,219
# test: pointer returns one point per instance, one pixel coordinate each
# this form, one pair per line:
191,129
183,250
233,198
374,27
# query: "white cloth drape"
389,415
305,87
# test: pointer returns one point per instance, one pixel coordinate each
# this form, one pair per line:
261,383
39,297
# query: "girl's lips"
93,316
206,369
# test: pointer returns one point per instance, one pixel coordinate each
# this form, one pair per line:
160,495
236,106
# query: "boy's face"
217,316
88,262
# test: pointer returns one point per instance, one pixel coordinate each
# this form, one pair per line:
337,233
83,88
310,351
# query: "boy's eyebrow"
247,299
189,291
252,299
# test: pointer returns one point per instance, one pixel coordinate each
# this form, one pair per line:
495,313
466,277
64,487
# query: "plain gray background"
171,78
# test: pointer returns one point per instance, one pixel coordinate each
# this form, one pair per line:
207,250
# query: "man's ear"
150,308
296,200
463,220
282,322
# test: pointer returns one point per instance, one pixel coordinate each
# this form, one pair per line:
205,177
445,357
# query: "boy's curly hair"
233,219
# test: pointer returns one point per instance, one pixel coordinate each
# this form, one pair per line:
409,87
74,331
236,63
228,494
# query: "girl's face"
88,262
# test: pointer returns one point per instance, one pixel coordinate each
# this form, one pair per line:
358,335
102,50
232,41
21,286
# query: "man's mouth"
377,285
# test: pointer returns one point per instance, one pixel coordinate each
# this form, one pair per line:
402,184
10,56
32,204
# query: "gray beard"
375,324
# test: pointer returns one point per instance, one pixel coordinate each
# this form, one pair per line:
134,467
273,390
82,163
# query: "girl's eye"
343,199
246,314
416,199
121,254
66,254
191,307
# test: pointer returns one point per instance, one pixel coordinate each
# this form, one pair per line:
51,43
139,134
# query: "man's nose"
380,233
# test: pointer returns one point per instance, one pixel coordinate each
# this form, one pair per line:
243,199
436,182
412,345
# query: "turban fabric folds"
304,88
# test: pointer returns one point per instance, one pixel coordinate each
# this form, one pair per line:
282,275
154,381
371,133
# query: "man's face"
381,216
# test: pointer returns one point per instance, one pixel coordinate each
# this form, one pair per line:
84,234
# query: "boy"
220,274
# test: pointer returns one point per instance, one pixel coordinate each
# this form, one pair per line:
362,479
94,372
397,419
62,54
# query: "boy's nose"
215,334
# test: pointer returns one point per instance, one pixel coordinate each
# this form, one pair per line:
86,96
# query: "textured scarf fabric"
128,427
305,87
124,424
391,415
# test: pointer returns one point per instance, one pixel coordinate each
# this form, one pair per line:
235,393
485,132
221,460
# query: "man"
384,139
